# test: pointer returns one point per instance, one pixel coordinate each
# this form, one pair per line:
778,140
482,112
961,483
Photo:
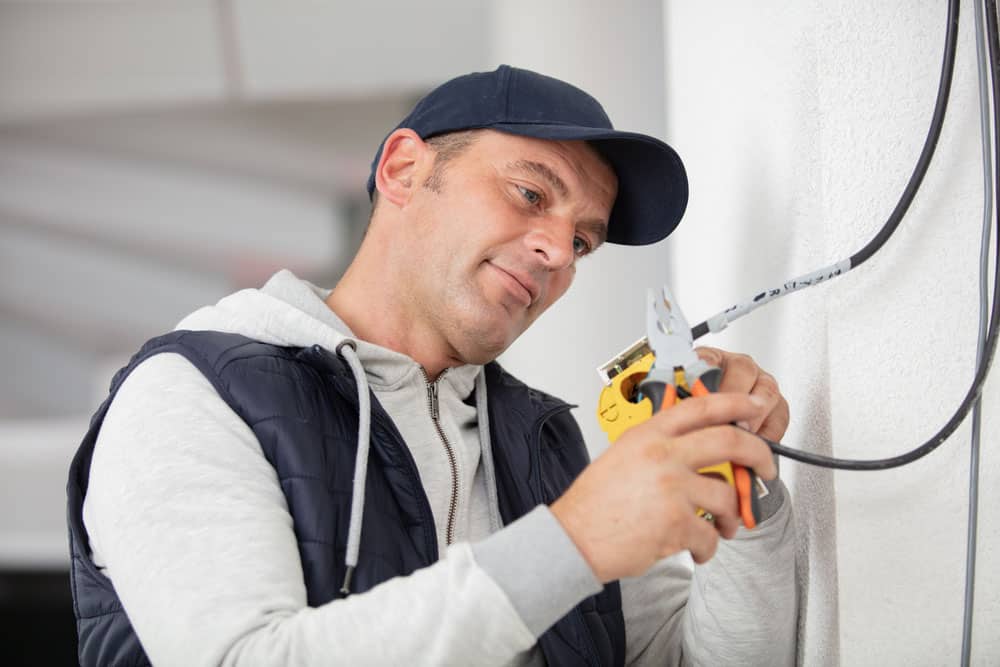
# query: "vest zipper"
432,402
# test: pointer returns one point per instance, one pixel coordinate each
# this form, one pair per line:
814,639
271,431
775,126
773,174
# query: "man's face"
497,243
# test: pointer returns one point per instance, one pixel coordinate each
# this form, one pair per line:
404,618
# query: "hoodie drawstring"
347,350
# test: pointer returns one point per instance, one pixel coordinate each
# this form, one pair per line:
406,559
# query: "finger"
765,388
710,410
703,539
718,444
739,371
712,356
776,423
727,526
715,496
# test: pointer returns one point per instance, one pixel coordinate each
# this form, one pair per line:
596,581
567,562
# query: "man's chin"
485,346
483,352
485,336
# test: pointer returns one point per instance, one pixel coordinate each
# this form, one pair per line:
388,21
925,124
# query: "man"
241,499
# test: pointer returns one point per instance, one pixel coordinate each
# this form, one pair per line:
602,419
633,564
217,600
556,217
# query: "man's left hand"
740,373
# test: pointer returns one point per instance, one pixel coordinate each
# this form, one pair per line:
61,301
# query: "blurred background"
156,156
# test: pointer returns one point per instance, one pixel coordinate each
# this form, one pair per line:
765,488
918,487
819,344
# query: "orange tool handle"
744,477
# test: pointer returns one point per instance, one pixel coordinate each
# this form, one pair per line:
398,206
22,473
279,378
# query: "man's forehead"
549,157
564,147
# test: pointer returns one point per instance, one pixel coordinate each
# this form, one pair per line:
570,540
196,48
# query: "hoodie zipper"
432,403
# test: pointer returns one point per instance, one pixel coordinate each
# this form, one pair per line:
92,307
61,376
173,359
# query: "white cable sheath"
720,321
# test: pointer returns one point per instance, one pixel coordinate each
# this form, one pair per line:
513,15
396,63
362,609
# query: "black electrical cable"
982,369
923,162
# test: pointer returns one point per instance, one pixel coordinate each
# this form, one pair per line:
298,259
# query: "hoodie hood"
292,312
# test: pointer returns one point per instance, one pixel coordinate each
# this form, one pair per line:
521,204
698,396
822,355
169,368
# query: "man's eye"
580,246
530,196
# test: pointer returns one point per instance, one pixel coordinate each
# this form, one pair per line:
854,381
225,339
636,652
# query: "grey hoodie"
198,540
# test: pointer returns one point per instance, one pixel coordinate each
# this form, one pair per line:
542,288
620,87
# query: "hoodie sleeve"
199,545
741,607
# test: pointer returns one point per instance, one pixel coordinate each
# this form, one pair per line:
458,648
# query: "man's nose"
552,241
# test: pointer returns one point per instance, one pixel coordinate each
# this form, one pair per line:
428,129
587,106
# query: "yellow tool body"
663,368
617,409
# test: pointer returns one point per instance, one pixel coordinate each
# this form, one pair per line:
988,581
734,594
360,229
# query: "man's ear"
402,166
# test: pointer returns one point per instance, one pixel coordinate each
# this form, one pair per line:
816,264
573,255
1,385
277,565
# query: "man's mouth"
521,285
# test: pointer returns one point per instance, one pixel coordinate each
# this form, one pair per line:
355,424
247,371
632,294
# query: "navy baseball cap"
652,183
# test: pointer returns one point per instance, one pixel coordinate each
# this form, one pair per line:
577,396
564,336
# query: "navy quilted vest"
306,421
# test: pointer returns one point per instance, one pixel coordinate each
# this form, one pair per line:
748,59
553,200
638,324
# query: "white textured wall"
800,124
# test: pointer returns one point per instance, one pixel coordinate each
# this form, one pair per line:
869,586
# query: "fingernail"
745,425
758,401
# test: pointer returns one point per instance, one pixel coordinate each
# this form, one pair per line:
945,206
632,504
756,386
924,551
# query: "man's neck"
368,306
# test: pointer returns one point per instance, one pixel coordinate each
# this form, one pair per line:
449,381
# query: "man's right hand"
637,502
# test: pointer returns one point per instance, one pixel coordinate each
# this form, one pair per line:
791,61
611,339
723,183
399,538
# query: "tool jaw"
668,333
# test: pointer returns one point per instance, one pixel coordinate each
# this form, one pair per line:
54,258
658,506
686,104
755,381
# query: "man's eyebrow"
543,170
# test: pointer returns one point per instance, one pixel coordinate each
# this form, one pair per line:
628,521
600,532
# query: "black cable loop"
982,370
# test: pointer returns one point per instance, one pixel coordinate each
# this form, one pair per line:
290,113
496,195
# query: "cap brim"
652,182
